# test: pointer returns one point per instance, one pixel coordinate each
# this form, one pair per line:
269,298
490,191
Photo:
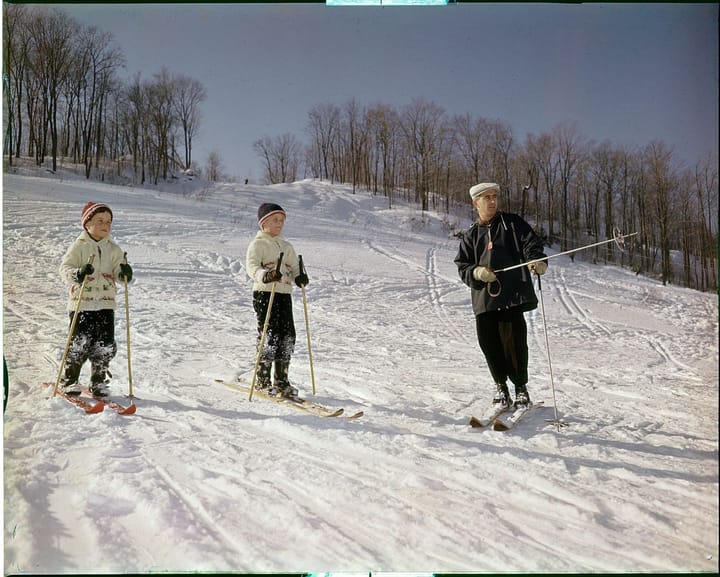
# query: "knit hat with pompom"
91,209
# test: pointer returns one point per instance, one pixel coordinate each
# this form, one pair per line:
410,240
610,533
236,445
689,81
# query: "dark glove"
272,276
302,280
125,272
84,271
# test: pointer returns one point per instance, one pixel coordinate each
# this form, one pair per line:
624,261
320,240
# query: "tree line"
573,190
64,100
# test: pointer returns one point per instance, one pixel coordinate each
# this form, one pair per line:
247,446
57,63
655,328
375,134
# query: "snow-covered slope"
202,479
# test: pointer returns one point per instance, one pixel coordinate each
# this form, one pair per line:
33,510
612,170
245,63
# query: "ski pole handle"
279,261
302,266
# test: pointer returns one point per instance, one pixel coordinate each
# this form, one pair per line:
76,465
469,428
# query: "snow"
201,479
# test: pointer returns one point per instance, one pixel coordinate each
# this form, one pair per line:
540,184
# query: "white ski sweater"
262,256
100,286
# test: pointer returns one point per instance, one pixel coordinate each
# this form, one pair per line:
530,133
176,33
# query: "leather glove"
301,280
84,271
538,268
126,272
272,276
484,274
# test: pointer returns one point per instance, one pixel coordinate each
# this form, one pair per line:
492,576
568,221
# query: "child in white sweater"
94,336
261,260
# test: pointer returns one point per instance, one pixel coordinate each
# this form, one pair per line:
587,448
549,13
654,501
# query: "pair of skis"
502,418
298,403
92,405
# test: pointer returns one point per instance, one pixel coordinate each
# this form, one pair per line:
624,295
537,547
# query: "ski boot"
502,396
100,384
282,381
522,398
69,383
100,389
262,380
71,389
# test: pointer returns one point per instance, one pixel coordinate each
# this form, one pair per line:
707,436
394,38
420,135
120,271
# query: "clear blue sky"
627,73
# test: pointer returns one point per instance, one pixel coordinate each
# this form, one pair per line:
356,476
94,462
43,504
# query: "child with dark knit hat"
261,260
94,336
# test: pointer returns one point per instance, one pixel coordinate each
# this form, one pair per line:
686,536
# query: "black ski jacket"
507,240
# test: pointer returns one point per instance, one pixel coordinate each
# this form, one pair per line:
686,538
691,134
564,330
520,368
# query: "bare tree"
526,179
281,157
502,149
91,80
51,48
162,122
133,105
214,166
356,133
570,152
607,166
662,184
473,137
422,125
384,133
706,189
16,38
188,95
323,124
542,153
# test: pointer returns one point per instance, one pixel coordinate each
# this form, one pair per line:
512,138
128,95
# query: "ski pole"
127,330
261,344
617,239
547,349
307,326
73,324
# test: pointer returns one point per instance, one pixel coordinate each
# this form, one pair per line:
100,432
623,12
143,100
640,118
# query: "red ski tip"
129,411
96,408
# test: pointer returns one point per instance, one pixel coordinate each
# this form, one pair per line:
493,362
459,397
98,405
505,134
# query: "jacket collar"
86,236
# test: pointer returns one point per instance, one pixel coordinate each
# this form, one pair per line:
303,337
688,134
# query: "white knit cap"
479,189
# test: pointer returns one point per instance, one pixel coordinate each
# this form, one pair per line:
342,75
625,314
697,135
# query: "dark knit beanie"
266,210
91,209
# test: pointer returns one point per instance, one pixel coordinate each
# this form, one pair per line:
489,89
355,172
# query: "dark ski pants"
280,339
502,336
93,340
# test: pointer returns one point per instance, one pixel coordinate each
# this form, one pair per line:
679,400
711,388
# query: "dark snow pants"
93,340
280,339
502,336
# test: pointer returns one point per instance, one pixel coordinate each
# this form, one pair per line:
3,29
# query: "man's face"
486,205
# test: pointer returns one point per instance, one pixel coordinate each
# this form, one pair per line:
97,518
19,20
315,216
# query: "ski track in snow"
201,479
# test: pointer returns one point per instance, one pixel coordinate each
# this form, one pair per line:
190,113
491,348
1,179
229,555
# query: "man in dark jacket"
496,241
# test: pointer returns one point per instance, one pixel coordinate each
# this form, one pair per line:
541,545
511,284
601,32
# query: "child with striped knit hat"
94,336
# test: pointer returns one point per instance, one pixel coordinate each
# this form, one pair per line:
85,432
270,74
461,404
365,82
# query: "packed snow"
201,479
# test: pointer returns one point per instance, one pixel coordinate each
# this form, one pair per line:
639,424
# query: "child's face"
99,225
274,224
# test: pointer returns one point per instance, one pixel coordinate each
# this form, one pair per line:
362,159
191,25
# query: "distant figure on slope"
499,240
262,256
94,337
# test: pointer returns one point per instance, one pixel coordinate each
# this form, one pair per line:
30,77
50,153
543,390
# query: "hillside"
200,479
